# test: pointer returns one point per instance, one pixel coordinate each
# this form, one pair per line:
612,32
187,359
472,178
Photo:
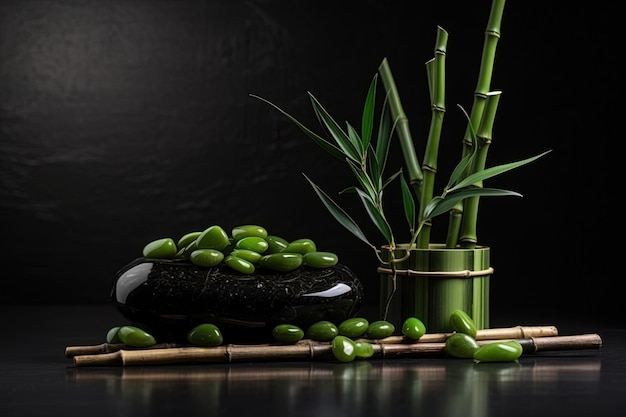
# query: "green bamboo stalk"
468,236
437,82
416,177
483,85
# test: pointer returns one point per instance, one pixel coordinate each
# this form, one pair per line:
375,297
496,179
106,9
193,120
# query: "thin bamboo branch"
308,350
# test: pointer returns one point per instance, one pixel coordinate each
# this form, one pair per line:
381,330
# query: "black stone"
168,298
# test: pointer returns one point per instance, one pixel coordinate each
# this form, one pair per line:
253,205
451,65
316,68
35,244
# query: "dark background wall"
126,121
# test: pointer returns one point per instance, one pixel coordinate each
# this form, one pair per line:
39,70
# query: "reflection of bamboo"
517,332
306,350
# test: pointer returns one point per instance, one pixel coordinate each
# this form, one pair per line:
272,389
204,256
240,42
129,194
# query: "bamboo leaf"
367,121
338,213
385,133
467,160
376,216
442,204
391,178
363,179
323,143
350,149
354,137
374,167
408,202
493,171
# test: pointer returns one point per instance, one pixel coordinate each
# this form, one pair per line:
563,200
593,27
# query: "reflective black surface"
38,380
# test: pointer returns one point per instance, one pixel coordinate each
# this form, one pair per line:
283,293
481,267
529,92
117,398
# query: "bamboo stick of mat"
515,332
308,350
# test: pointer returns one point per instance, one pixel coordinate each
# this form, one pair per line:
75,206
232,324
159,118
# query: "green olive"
247,230
413,328
322,331
134,336
205,334
301,246
206,257
213,237
499,352
187,239
364,350
247,254
343,348
185,252
353,327
287,333
461,322
160,249
275,244
320,259
253,243
113,335
282,262
379,329
460,345
239,264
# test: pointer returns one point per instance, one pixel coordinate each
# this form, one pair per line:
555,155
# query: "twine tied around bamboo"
411,272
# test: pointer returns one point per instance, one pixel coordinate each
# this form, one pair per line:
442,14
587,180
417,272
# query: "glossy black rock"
168,298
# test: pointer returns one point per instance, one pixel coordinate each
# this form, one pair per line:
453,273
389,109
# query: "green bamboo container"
434,282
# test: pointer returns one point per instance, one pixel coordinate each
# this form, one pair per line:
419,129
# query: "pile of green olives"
245,249
349,339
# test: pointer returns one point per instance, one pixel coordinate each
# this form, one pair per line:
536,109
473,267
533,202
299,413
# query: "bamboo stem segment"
307,350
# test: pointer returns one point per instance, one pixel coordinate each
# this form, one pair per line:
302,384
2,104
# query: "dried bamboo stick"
308,350
71,351
516,332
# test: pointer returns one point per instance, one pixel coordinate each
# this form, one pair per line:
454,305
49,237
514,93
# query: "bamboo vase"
434,282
